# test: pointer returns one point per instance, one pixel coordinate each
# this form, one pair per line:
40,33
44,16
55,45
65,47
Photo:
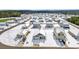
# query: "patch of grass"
4,20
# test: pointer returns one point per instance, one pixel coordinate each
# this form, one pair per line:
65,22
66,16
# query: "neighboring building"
49,21
34,17
27,24
36,26
3,25
49,25
41,20
11,22
64,24
56,19
24,27
20,37
60,35
39,38
32,21
56,25
25,16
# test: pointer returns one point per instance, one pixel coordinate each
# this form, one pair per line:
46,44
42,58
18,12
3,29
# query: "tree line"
74,20
9,13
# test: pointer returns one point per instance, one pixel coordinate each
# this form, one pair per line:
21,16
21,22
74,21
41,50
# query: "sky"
39,4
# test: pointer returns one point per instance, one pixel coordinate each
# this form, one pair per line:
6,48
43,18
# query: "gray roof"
39,34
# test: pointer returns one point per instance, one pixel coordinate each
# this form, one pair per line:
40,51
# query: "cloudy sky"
39,4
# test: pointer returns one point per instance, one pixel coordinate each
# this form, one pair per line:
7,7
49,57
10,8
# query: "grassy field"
4,20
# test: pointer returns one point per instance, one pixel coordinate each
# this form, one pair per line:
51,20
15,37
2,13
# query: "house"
11,21
64,24
27,24
38,38
48,20
49,25
57,20
24,27
34,18
32,21
36,26
20,37
41,20
3,25
25,16
59,34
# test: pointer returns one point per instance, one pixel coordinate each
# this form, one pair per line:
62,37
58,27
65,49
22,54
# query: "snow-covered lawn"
8,36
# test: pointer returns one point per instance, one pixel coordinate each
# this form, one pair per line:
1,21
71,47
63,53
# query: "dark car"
62,42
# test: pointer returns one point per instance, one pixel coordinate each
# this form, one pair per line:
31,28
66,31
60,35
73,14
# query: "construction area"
49,30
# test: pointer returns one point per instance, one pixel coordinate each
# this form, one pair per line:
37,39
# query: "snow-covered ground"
72,40
8,37
50,42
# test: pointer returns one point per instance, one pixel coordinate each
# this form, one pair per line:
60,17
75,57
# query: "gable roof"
39,34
